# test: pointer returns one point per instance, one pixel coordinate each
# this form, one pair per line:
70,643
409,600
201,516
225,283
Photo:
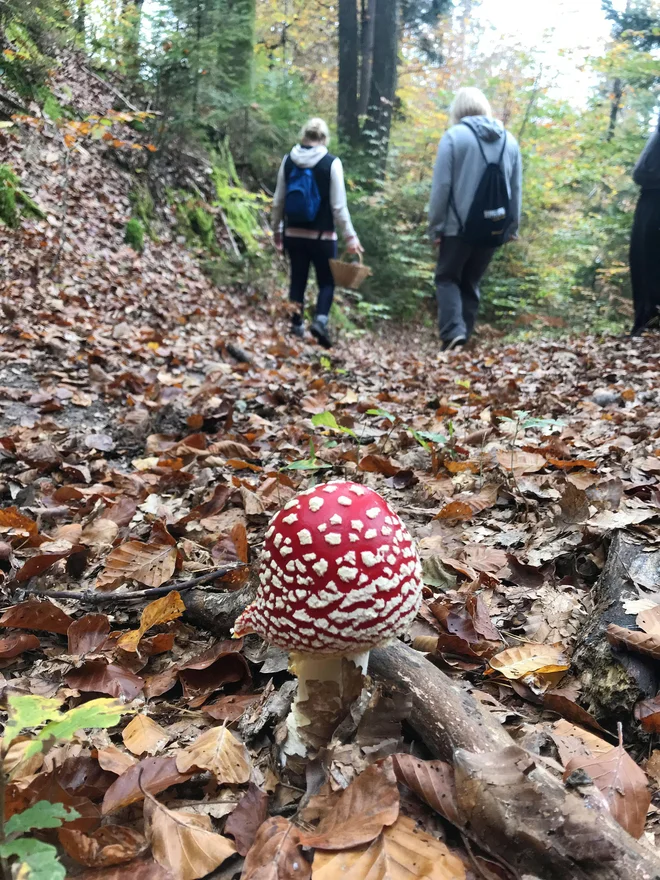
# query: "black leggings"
645,259
303,252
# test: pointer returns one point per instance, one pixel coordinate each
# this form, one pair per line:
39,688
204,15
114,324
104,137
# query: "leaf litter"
137,446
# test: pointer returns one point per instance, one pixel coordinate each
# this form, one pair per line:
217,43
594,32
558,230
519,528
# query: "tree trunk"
238,24
612,680
367,50
347,116
376,130
81,11
617,96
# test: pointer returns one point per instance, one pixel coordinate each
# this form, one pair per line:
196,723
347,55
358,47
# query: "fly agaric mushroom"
339,575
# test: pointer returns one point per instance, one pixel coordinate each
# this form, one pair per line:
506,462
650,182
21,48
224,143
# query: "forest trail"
140,403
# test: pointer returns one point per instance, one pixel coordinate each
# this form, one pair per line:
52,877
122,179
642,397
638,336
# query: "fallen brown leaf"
143,735
276,853
184,843
432,781
160,611
244,822
150,774
368,804
149,564
110,845
219,751
37,614
401,852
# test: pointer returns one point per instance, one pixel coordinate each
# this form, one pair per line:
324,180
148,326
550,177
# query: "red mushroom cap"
339,574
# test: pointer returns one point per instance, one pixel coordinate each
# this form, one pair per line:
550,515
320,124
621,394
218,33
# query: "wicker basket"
350,275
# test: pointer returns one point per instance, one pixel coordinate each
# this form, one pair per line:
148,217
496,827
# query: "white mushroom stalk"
339,575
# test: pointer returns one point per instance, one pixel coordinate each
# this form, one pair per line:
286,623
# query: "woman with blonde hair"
475,207
308,207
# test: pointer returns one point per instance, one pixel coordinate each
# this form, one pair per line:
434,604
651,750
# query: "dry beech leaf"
219,751
401,852
144,868
184,843
638,642
16,643
623,784
88,633
361,812
649,620
150,774
566,465
529,659
563,705
101,677
276,853
573,740
432,781
379,464
37,614
149,564
647,712
464,507
162,610
521,462
109,845
114,760
143,735
244,822
99,533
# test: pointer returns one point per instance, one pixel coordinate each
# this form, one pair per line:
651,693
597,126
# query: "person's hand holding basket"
350,275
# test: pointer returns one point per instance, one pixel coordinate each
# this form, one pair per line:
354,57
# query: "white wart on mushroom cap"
339,573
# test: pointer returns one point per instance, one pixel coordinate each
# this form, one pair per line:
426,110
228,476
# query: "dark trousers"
645,259
304,252
460,268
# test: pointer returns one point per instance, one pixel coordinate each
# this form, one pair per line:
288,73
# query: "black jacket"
647,170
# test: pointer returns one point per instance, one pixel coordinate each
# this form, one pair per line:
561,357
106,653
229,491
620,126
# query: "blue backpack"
303,198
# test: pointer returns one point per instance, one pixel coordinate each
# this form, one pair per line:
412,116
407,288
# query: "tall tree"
367,31
347,94
377,126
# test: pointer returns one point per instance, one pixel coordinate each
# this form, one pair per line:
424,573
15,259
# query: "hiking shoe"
298,329
319,330
456,342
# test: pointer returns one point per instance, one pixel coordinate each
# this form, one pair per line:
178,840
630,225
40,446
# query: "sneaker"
319,330
456,342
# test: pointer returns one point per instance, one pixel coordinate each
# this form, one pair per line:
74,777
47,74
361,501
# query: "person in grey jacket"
645,240
458,170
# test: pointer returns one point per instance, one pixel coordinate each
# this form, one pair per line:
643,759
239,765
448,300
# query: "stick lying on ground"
510,804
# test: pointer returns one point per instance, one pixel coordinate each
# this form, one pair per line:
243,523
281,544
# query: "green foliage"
134,235
201,223
13,200
43,814
327,420
29,711
38,860
240,207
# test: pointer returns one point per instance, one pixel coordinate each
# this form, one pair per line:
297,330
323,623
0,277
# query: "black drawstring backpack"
490,215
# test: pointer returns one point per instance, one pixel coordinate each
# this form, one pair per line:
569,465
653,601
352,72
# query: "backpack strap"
481,148
503,149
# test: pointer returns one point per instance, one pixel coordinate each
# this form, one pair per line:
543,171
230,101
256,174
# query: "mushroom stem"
324,669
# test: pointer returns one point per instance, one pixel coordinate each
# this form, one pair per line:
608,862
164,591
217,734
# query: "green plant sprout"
312,463
37,860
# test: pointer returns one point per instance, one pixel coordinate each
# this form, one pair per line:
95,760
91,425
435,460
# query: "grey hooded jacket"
647,170
459,166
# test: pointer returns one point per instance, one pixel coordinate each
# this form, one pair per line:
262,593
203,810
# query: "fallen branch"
92,598
115,91
509,803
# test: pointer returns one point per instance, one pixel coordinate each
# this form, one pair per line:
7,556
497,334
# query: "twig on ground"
115,91
91,598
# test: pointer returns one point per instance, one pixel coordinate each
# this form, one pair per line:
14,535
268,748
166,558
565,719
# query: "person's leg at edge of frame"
299,258
645,261
473,271
451,261
323,253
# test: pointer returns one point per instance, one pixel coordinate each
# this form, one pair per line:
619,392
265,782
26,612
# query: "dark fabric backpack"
303,198
307,201
490,214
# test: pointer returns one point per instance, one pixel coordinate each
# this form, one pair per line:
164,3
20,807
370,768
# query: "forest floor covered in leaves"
151,425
